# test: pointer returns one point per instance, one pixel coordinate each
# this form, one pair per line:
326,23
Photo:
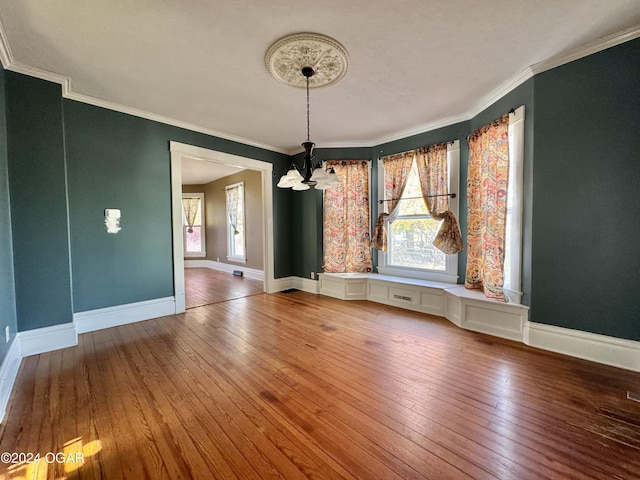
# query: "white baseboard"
226,267
8,373
306,285
470,310
299,283
122,314
281,284
616,352
47,339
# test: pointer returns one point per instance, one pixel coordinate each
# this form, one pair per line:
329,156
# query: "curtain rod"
452,195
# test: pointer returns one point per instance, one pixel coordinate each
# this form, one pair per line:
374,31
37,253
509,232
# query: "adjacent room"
222,219
328,240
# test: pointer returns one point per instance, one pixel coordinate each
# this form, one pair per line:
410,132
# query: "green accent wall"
61,159
116,161
586,224
307,246
38,201
121,161
7,291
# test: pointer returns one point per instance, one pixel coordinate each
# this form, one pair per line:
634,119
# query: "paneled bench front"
466,308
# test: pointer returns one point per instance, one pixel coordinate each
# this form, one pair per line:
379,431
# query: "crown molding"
500,92
169,121
588,49
584,51
9,63
423,128
484,103
64,82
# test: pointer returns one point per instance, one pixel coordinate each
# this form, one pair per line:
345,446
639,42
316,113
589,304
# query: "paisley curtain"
190,206
347,244
487,181
396,171
434,180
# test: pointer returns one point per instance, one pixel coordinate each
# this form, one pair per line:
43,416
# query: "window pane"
410,244
193,241
413,205
238,242
198,220
235,220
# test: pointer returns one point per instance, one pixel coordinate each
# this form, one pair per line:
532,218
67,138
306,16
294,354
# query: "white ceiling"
413,63
201,172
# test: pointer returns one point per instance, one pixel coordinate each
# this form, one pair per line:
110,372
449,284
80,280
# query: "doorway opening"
183,154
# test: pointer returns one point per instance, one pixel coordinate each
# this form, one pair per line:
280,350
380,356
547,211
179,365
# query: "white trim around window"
450,274
201,227
236,234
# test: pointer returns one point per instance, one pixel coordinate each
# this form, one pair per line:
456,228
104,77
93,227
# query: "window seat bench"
468,309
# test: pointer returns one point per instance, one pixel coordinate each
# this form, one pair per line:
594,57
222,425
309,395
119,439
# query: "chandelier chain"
308,129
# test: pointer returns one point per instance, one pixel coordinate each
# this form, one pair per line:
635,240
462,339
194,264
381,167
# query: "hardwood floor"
204,286
302,386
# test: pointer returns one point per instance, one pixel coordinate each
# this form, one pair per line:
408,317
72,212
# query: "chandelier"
307,60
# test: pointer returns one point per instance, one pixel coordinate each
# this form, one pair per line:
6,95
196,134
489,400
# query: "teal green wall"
67,160
582,174
38,201
117,161
586,202
283,226
307,246
7,290
120,161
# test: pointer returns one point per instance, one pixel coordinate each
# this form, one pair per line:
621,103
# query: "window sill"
418,275
237,260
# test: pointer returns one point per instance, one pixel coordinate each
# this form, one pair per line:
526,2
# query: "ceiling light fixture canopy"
307,60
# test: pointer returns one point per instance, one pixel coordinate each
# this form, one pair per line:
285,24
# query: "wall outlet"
313,275
7,334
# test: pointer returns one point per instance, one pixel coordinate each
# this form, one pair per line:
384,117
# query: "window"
410,233
193,225
236,246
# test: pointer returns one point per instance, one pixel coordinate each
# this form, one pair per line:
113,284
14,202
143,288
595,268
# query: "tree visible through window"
236,222
412,231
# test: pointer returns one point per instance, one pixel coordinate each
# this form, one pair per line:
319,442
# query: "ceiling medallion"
286,58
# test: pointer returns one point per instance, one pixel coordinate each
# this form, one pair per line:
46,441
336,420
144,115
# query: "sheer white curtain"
513,235
190,206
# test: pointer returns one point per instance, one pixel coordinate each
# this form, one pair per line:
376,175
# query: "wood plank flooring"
204,286
302,386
